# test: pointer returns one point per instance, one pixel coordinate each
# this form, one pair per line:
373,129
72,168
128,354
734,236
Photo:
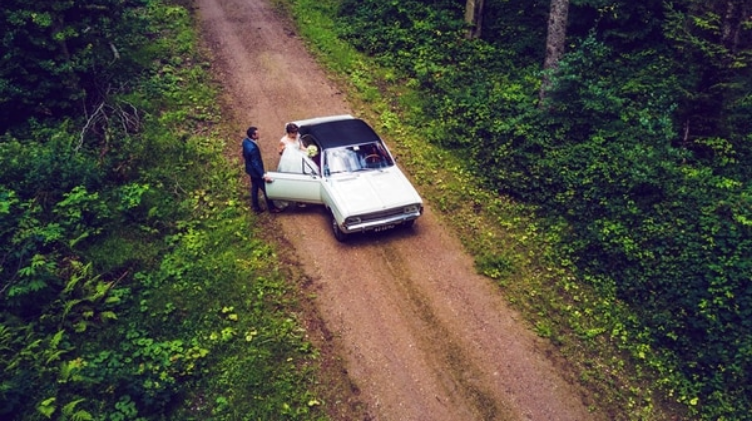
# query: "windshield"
356,158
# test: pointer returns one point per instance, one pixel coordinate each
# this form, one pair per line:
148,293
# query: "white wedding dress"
291,161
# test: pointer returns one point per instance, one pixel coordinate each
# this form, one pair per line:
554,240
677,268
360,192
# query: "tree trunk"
474,18
736,15
557,34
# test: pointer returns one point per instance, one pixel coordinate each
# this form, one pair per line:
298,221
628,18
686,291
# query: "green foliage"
145,370
712,45
495,266
61,54
427,47
128,274
517,27
48,211
382,27
46,162
627,26
625,188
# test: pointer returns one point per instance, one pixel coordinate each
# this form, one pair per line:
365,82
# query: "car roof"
336,131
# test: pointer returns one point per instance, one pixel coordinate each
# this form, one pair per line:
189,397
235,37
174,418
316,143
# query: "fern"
69,411
47,407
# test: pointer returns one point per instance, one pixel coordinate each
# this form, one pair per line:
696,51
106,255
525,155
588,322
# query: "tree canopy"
60,56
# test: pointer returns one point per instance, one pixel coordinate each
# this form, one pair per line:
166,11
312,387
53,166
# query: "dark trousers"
256,185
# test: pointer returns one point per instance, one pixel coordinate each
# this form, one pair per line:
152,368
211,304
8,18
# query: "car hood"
373,191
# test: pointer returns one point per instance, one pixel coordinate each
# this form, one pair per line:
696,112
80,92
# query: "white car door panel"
294,187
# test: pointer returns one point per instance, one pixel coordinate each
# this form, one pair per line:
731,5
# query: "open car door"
302,187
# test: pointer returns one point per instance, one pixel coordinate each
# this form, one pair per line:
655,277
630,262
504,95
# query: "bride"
291,150
292,155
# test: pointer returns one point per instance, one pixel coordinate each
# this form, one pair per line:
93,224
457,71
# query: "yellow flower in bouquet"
312,151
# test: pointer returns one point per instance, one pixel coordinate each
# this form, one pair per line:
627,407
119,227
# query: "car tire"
340,235
409,224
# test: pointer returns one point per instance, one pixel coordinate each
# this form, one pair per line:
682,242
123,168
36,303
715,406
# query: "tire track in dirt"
450,357
421,335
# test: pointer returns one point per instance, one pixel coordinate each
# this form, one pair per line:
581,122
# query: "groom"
254,167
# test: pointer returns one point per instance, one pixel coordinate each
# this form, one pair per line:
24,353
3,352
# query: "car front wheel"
338,233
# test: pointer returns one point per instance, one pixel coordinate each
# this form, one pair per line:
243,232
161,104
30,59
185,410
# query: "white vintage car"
351,172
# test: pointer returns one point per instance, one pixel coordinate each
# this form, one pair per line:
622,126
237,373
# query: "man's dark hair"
251,131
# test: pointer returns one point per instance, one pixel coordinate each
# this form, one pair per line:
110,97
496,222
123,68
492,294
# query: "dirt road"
420,334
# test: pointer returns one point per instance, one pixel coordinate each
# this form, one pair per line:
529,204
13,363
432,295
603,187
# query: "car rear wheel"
338,233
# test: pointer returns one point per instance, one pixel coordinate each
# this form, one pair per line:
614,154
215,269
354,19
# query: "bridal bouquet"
312,151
